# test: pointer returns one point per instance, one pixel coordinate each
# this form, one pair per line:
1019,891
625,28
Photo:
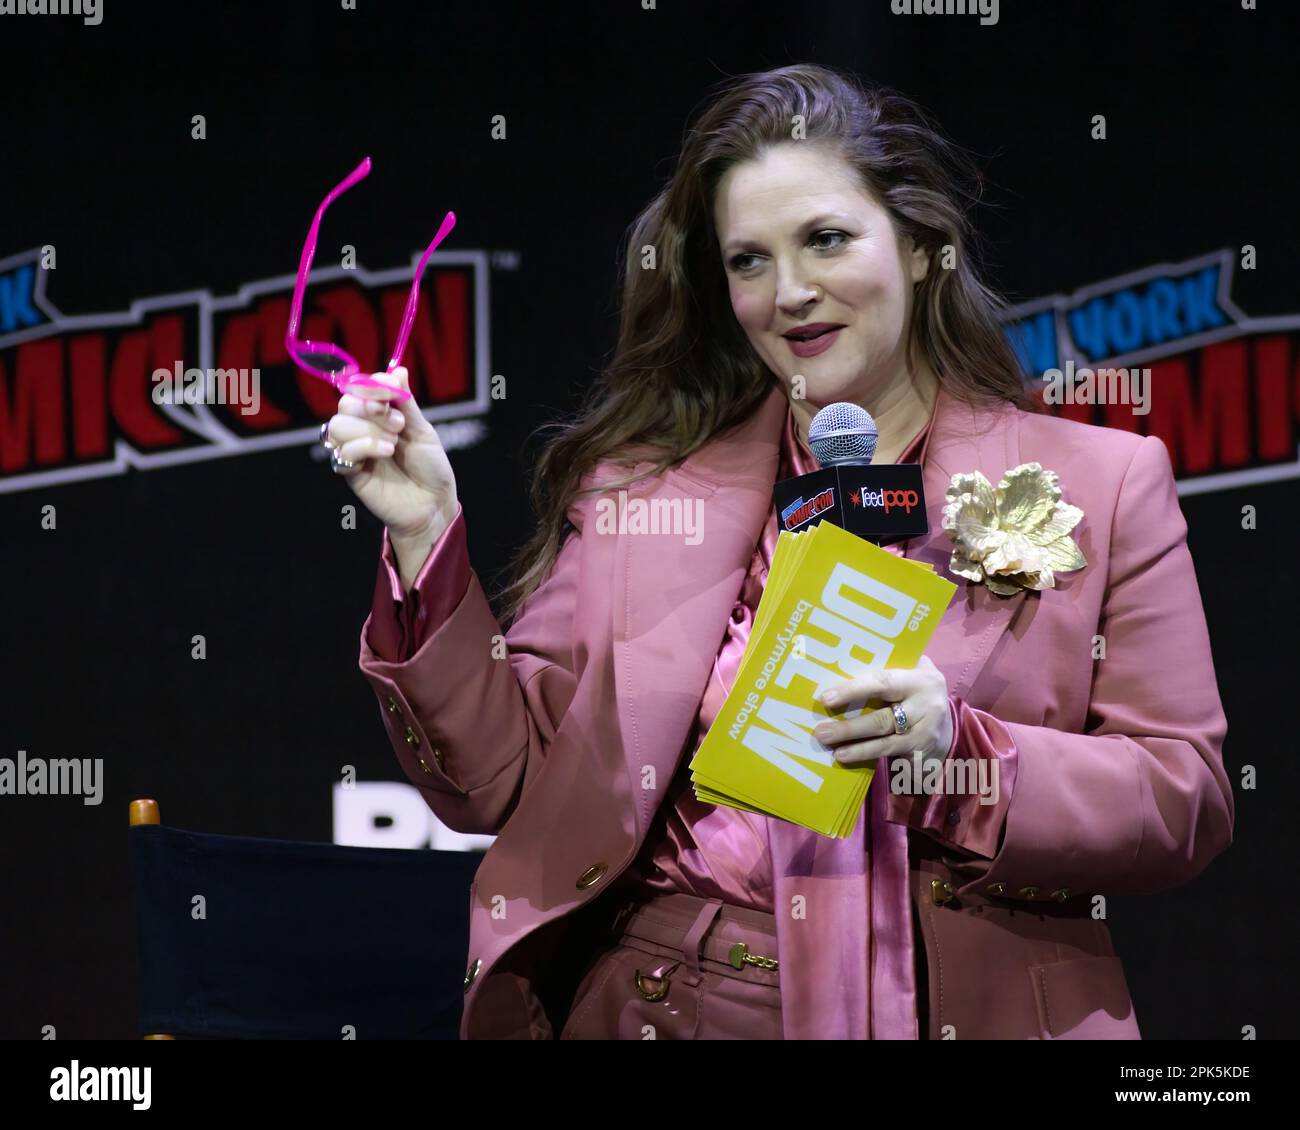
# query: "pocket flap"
1084,999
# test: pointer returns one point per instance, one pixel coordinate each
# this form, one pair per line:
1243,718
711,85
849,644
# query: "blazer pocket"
1086,998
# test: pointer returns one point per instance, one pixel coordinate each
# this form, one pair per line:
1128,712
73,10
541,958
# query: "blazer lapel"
671,600
964,439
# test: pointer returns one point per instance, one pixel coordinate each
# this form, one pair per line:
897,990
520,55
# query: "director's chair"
246,938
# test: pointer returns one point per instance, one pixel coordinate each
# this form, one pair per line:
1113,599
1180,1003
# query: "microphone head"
842,433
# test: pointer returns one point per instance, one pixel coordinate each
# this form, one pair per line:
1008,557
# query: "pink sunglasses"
329,362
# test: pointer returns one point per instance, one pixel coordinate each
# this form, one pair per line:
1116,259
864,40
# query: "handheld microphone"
881,504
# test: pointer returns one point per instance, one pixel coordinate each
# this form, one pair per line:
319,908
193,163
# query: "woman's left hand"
922,692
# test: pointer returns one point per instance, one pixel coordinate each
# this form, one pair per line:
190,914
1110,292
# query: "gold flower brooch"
1015,537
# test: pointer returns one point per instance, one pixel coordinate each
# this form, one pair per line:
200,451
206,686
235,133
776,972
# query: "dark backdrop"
248,549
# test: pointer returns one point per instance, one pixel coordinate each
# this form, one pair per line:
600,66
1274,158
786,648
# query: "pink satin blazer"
1111,772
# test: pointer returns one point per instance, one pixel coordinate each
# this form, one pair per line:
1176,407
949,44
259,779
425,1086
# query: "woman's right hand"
403,476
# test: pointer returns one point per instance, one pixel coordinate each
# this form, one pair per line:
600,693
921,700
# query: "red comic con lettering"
1206,428
109,398
1276,420
256,340
1221,407
437,356
79,402
159,346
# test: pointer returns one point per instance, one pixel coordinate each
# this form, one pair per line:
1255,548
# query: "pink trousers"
683,968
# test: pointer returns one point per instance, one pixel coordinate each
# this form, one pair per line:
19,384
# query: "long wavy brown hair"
682,370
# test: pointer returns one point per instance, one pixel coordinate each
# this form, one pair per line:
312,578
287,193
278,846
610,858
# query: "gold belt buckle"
663,979
739,956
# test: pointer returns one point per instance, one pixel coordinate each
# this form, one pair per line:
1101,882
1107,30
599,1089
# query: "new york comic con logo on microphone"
799,512
87,396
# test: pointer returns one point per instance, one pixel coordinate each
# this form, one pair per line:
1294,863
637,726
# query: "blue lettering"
1087,327
1200,308
16,292
1162,311
1034,340
1125,323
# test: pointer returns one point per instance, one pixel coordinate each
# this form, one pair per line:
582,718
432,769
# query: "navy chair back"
271,939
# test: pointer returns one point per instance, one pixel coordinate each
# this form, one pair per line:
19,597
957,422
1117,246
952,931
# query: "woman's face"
802,243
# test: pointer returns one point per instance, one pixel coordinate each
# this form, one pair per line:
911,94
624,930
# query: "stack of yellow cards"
834,607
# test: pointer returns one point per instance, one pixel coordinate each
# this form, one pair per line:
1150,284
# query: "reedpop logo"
91,11
886,499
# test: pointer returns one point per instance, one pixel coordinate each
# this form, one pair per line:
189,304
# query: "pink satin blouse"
714,851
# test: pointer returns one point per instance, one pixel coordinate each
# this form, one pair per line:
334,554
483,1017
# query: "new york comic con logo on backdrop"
1218,387
77,393
76,403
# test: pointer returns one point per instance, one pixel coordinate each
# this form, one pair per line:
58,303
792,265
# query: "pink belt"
698,935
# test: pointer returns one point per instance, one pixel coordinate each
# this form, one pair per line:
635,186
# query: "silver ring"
339,465
325,440
900,719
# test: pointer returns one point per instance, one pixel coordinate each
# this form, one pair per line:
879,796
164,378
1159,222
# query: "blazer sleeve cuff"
963,801
401,623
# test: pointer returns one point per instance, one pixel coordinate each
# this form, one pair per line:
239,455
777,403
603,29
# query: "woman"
612,903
